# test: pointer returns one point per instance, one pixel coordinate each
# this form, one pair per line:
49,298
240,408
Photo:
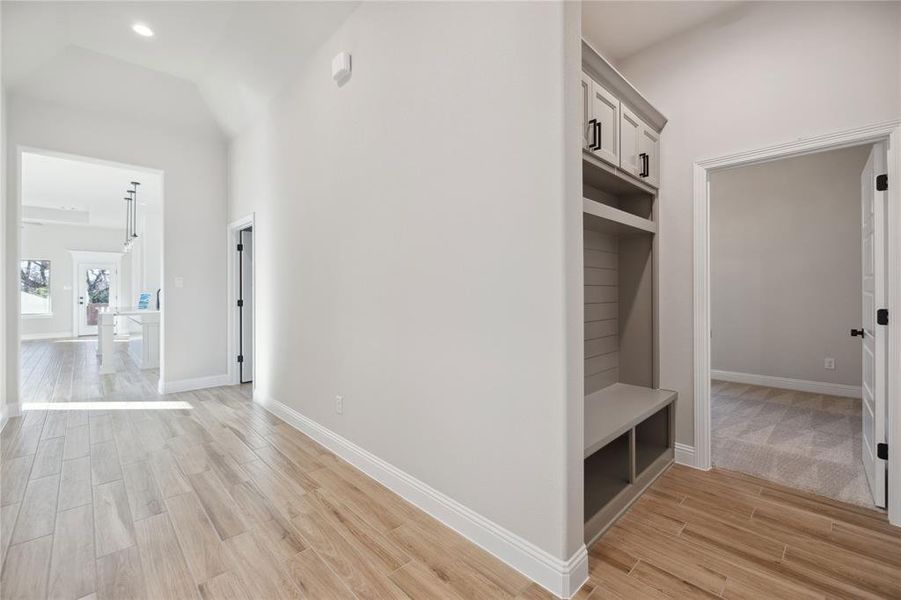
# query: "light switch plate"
179,282
829,364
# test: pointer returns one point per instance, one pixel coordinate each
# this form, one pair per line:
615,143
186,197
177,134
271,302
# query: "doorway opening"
881,426
787,285
90,252
245,305
241,294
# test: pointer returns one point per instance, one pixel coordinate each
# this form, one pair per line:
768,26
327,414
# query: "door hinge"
240,303
882,451
240,358
882,182
882,316
240,247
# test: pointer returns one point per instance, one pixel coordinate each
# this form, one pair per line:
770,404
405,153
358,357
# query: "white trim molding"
187,385
685,455
52,335
560,577
787,383
889,132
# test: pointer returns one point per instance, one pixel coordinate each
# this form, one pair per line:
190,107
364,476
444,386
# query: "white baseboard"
786,383
560,577
46,336
685,455
187,385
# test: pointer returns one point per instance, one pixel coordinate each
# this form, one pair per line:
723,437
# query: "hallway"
224,500
219,501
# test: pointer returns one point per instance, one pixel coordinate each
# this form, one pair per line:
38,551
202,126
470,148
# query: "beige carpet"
806,441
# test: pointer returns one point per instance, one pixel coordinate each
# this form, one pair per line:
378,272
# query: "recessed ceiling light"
142,30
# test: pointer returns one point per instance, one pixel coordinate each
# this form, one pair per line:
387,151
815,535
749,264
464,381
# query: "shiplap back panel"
601,310
636,310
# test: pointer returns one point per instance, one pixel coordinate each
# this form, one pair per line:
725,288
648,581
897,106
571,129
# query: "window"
34,280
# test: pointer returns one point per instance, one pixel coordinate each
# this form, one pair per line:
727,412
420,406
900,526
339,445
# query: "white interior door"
875,349
97,287
245,295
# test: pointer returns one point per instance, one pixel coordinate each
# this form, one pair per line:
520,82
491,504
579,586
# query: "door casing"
698,455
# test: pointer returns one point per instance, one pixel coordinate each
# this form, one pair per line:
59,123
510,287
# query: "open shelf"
607,474
613,221
615,409
599,174
652,439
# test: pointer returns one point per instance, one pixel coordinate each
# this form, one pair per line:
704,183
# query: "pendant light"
127,245
131,216
134,208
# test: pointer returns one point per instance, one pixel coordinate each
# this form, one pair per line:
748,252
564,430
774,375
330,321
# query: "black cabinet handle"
593,124
859,332
645,165
597,135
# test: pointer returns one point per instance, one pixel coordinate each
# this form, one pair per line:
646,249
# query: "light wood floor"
227,501
68,370
729,535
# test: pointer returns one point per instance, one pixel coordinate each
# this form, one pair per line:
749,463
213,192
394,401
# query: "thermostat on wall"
341,67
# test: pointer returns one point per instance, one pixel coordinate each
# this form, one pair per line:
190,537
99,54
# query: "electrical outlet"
339,405
829,364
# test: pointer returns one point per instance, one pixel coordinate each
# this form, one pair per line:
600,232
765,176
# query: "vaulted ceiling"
210,66
619,29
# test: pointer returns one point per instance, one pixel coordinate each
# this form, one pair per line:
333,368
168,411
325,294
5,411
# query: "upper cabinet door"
605,110
588,130
649,156
630,129
639,151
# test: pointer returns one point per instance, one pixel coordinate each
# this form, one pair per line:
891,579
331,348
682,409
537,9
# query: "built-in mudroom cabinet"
628,420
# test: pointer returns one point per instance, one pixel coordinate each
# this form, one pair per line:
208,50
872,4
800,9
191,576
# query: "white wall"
53,242
4,247
194,218
767,73
410,250
785,262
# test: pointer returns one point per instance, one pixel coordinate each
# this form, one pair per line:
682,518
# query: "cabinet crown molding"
599,68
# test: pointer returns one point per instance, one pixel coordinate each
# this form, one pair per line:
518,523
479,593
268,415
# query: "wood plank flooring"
226,501
67,370
729,535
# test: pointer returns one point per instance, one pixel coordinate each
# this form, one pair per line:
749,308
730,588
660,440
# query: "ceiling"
67,188
620,29
209,64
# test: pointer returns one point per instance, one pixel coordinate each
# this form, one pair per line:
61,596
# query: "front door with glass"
96,290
